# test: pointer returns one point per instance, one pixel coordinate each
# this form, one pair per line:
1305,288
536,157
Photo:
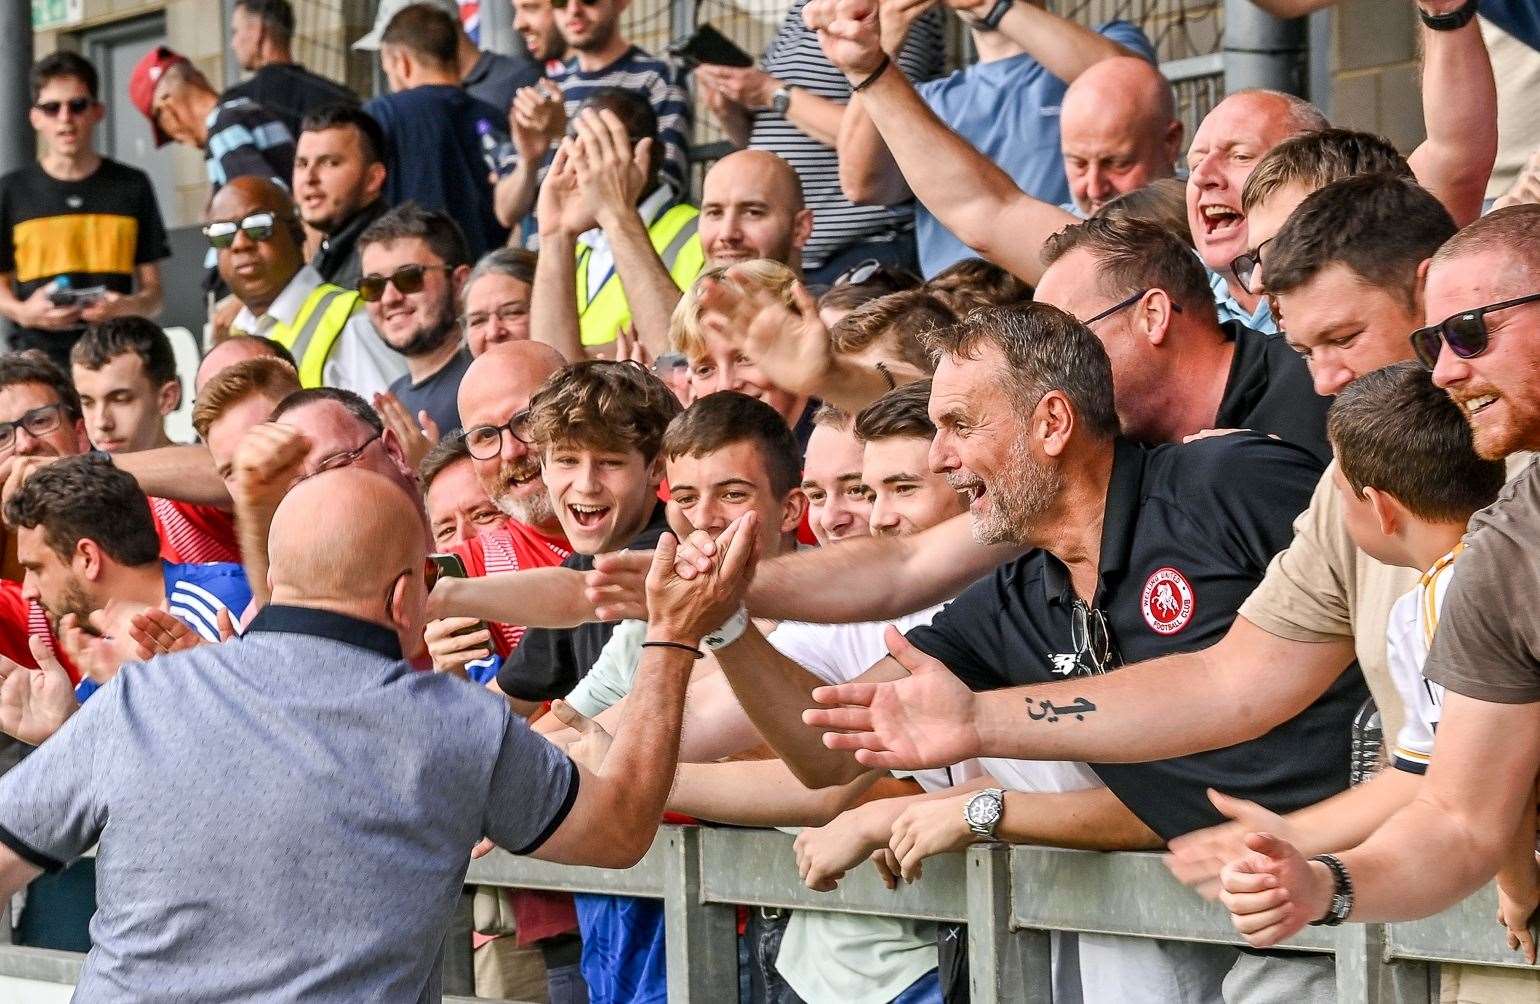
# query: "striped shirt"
1413,621
796,60
659,83
196,534
245,138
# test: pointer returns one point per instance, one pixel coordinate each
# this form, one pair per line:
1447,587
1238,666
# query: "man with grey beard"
1131,552
493,400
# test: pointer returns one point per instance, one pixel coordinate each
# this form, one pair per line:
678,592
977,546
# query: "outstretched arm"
1459,109
759,793
553,316
966,191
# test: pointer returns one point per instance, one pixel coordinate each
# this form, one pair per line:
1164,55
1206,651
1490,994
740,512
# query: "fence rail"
1008,895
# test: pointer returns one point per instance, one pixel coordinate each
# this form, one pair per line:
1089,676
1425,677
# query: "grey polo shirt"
285,816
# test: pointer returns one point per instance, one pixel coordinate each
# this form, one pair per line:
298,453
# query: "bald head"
502,379
752,207
248,194
341,539
1118,130
235,349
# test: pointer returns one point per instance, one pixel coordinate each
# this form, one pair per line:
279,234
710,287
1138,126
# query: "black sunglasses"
407,279
257,226
1124,304
1465,333
77,106
561,4
872,270
1089,635
1246,264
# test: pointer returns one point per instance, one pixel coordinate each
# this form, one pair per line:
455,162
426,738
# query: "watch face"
983,810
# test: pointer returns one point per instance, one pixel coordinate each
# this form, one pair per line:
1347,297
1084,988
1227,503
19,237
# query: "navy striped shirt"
796,60
657,81
245,138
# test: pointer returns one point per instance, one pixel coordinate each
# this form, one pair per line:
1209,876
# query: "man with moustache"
415,262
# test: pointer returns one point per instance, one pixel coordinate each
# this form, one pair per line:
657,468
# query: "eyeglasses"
1246,264
507,315
562,4
1089,635
37,422
76,106
1124,305
257,226
346,458
1465,333
486,441
407,279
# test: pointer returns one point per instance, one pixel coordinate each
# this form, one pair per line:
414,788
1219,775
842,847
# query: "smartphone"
451,565
707,45
76,297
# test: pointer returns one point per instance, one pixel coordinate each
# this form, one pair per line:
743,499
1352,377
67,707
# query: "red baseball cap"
141,85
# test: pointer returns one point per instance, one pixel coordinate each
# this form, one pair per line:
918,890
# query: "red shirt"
14,623
509,548
37,624
194,534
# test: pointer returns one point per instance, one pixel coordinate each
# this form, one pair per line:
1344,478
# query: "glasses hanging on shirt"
1090,638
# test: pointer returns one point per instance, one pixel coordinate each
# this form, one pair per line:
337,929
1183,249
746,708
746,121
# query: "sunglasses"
562,4
1246,264
257,227
1464,333
407,279
1124,304
77,106
1089,635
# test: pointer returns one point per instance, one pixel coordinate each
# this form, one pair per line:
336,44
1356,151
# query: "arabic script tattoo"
1047,711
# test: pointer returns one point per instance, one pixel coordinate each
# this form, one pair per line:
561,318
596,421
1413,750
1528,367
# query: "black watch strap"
1341,892
1453,21
991,21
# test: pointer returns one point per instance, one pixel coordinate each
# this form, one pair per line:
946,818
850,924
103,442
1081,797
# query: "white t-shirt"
1409,635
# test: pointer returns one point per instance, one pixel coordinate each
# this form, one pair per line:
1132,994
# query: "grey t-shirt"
287,816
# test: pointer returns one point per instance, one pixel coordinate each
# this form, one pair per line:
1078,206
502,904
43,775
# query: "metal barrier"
1009,896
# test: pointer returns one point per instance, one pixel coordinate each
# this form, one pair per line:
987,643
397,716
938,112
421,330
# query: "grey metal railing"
1009,896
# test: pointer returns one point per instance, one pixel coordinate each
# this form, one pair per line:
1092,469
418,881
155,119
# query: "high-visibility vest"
674,238
320,322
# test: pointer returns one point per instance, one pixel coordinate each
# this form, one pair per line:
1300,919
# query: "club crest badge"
1167,601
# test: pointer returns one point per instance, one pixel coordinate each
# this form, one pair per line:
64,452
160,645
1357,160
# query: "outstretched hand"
35,703
849,33
1273,892
593,741
617,585
1197,858
787,341
927,719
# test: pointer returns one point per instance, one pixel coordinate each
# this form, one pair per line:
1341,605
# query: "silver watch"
780,100
983,812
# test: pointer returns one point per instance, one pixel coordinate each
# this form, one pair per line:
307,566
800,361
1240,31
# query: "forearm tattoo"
1047,711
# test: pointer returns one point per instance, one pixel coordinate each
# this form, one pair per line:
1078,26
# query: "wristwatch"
991,21
1341,892
780,100
983,812
1452,21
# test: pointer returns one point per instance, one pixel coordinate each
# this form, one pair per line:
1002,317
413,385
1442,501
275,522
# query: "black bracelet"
882,68
681,646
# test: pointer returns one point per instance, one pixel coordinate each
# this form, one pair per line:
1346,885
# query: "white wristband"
729,632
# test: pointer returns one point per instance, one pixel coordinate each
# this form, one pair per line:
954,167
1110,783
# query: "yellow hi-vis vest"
316,328
674,238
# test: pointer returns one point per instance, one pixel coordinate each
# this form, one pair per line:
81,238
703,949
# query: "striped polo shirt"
245,138
657,81
795,59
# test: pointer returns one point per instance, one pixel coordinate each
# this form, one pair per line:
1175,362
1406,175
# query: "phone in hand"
709,46
450,565
67,297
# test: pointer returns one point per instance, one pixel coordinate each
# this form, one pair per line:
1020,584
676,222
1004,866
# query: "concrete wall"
1375,70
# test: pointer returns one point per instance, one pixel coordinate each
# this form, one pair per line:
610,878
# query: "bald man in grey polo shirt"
289,815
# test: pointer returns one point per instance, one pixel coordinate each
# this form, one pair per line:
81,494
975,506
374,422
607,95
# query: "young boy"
1410,481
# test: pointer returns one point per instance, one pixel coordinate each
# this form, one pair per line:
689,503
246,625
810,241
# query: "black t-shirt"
290,92
437,394
95,230
497,77
1188,533
1270,391
337,259
550,661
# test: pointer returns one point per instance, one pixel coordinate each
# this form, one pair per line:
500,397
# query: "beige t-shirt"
1323,588
1488,642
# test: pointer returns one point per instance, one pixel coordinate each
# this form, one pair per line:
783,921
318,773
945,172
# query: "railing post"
1004,964
1365,974
701,938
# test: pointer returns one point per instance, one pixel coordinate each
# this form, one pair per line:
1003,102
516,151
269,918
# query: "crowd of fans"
962,462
